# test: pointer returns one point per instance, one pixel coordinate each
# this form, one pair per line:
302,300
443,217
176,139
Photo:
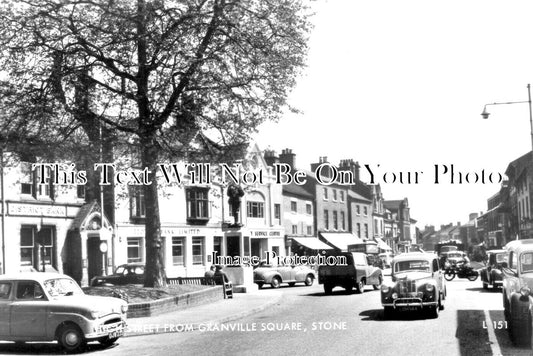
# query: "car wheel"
376,286
328,288
259,285
472,278
520,331
275,282
292,284
71,338
107,341
361,286
309,280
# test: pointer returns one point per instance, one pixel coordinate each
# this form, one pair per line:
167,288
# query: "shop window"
217,245
37,248
198,250
135,249
197,204
255,209
178,251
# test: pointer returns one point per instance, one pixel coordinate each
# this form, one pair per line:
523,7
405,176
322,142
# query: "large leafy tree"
154,74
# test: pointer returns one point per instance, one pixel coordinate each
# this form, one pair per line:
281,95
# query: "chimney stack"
288,157
270,157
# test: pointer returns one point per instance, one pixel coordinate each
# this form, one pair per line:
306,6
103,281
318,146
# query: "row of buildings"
52,226
508,216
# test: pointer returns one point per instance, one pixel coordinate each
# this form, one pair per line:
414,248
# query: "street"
307,322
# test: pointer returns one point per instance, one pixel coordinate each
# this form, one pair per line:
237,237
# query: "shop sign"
36,210
266,233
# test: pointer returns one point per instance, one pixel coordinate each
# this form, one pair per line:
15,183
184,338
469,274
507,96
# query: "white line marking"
494,346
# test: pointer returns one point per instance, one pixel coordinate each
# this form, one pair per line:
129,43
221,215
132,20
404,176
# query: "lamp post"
485,114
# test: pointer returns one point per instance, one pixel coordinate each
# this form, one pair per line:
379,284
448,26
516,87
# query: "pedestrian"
211,272
222,278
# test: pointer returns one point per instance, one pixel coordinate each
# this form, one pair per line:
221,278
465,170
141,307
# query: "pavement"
204,316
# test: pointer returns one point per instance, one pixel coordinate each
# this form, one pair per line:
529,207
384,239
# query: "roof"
33,276
83,213
295,189
516,167
356,196
414,256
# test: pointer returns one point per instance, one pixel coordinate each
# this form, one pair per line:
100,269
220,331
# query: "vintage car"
417,284
130,273
51,306
517,290
491,274
275,274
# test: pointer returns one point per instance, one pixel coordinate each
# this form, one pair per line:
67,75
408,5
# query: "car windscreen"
415,265
501,257
62,286
526,262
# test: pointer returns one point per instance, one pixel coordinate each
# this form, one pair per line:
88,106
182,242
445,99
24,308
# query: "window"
197,203
5,290
294,206
366,231
365,210
335,194
134,249
294,229
255,209
308,209
277,211
197,250
358,210
326,219
30,179
80,191
29,290
359,230
43,190
26,179
325,193
33,243
343,223
178,249
335,220
342,195
309,230
137,202
217,245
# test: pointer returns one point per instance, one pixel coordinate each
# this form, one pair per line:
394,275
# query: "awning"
341,240
381,244
312,243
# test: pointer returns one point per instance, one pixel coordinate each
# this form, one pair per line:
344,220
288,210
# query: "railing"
204,281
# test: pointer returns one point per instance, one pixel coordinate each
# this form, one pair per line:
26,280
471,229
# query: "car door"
5,304
286,271
29,310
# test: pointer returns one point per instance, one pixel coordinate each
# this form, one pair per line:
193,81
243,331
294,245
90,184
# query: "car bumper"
410,302
113,330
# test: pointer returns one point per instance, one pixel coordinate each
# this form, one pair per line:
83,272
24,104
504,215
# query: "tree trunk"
154,275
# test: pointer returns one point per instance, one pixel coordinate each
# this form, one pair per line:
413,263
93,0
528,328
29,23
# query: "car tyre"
276,282
449,275
70,338
519,329
309,280
259,285
361,286
472,278
376,286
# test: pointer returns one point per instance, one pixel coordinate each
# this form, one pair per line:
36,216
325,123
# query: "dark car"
491,274
130,273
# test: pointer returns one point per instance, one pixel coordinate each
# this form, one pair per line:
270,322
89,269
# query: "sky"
402,84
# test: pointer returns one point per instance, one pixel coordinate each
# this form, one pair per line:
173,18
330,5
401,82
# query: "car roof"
519,246
33,276
497,251
414,256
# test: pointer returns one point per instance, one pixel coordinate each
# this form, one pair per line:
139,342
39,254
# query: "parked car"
491,274
130,273
417,284
517,290
357,272
51,306
274,275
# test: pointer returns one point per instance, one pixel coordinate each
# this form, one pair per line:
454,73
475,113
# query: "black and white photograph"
251,177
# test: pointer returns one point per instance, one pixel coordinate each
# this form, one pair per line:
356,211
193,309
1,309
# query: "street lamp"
485,114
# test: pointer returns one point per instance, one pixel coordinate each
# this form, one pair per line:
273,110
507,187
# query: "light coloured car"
51,306
275,274
417,284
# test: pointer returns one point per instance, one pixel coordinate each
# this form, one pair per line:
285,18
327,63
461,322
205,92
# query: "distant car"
417,284
491,274
276,274
51,306
386,258
130,273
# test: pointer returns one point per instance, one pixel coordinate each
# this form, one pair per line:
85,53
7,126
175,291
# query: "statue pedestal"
242,279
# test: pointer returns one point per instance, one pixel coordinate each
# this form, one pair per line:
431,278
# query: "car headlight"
95,314
430,287
525,291
385,288
394,295
124,308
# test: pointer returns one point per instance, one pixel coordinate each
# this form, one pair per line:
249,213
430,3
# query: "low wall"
182,301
